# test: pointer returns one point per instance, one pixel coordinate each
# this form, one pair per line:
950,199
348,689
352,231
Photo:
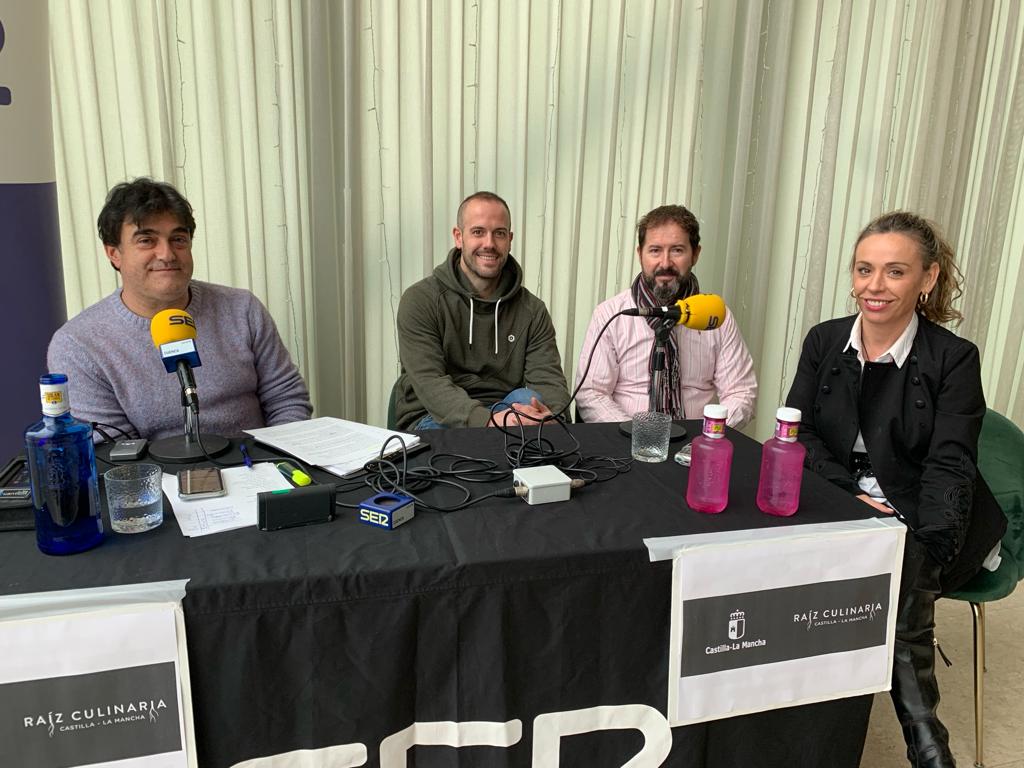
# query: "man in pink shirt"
699,365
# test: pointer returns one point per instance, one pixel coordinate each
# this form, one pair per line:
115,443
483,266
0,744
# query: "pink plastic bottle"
782,466
710,463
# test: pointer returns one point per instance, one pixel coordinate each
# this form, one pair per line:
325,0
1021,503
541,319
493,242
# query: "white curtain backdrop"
326,145
203,95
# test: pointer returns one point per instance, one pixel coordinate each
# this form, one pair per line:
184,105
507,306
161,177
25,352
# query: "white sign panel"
85,681
791,617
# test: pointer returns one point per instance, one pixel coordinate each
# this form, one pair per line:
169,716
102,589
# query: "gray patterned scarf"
668,399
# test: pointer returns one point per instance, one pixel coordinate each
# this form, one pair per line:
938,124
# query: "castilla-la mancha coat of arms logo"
737,625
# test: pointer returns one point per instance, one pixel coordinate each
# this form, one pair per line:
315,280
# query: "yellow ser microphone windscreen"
171,325
702,311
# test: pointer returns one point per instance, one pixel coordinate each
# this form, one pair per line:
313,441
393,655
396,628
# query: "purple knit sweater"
116,377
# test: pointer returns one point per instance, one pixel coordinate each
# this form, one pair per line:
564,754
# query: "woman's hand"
877,505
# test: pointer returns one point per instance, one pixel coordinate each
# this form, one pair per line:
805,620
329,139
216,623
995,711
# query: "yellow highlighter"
295,476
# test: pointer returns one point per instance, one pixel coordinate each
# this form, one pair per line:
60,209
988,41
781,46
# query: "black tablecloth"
344,633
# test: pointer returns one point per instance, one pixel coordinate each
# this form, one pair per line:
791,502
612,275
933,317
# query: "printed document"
337,445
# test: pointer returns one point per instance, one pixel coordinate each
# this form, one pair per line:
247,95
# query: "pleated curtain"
326,146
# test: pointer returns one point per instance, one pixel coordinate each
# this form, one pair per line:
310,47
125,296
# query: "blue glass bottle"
62,468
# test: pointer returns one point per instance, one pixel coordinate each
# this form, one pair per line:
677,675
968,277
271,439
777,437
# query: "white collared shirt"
897,353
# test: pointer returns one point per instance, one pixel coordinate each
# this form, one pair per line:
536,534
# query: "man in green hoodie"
471,335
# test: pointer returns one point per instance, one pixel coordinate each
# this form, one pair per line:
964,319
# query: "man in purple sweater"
115,374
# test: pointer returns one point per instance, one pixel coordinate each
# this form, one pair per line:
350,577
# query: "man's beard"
664,293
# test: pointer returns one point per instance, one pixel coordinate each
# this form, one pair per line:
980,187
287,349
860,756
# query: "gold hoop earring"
852,294
922,299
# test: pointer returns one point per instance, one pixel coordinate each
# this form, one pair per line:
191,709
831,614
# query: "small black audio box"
293,507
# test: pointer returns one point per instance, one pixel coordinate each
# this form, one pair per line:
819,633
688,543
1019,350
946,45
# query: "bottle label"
54,399
786,430
714,427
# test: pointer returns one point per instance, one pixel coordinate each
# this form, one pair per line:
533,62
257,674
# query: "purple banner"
31,301
32,289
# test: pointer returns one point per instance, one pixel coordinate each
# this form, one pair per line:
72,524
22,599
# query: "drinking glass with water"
134,497
651,433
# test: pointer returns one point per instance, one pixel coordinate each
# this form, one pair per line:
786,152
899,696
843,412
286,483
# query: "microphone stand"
188,447
661,336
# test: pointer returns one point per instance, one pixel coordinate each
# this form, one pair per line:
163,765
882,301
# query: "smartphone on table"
200,483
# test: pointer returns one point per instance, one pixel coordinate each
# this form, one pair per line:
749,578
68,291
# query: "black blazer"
920,424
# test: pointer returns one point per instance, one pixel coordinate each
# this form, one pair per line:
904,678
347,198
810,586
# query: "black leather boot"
915,692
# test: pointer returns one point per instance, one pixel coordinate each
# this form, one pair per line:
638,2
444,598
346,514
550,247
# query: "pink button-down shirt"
711,362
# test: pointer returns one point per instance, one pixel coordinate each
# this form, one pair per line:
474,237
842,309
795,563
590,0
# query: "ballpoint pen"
245,455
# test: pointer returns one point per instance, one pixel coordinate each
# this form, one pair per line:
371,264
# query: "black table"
344,633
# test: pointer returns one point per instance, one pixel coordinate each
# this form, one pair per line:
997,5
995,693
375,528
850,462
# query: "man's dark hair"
137,200
669,214
489,196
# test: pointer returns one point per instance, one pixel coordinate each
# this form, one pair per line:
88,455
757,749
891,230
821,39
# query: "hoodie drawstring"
496,305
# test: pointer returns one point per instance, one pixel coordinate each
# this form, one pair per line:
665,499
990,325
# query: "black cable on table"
540,450
385,476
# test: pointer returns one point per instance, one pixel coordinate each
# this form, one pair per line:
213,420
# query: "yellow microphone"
174,333
170,325
701,312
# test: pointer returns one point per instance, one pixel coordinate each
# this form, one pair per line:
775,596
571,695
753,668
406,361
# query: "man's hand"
532,414
877,505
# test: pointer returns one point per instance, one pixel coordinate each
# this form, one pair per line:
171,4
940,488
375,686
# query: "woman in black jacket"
892,407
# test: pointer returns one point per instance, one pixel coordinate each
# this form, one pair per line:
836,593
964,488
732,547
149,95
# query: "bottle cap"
715,411
714,420
53,394
792,415
787,424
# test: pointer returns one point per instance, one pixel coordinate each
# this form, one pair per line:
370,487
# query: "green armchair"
1001,462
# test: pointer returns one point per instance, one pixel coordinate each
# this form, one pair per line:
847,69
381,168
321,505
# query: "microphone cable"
590,360
521,451
206,454
561,413
385,476
98,426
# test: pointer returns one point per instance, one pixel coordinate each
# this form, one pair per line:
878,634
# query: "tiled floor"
1004,690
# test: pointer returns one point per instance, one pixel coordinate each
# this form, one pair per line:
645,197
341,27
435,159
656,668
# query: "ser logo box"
386,510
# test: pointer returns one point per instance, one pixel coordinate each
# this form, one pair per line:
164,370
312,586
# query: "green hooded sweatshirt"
461,353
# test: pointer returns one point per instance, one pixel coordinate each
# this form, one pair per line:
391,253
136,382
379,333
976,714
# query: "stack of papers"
339,446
